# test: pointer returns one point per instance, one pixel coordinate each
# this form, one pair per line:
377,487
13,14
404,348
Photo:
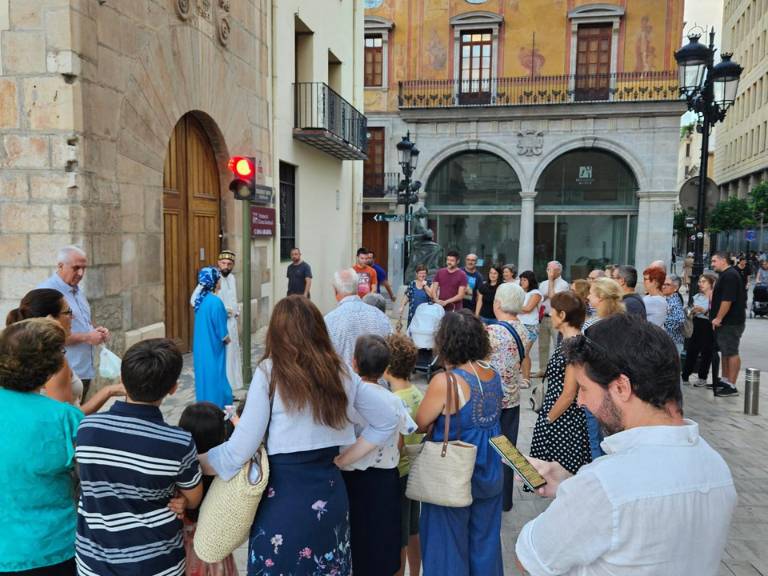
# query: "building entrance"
191,221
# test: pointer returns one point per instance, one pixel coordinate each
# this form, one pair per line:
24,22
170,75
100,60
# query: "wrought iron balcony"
325,120
381,184
527,90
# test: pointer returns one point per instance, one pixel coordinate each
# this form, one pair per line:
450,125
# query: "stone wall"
89,95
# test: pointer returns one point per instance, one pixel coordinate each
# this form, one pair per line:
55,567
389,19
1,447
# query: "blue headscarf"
207,279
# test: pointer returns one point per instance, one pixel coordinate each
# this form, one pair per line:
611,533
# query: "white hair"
510,297
376,300
556,263
345,281
64,254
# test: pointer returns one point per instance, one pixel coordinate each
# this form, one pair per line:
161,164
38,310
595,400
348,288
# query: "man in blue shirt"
71,264
381,275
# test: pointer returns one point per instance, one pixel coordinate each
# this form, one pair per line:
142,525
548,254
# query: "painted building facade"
116,123
547,130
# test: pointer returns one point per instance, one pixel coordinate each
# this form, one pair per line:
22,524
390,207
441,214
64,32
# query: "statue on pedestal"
423,249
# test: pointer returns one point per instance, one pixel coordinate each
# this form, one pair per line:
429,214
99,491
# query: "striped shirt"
131,463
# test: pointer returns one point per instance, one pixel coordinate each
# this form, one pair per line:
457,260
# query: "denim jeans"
595,435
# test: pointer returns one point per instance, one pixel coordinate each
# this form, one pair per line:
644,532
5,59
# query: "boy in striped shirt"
131,465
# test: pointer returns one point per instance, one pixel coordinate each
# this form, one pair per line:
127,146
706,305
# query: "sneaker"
701,383
726,391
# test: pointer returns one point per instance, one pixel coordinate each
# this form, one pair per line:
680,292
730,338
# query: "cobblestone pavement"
742,440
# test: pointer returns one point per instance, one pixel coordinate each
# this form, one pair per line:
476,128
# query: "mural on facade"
645,51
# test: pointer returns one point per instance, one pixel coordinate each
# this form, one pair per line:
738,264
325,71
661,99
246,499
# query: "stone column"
525,251
654,227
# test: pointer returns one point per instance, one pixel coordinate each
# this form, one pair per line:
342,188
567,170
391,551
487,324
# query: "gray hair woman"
509,340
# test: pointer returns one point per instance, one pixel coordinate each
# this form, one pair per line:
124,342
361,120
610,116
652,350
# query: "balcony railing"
381,185
527,90
325,120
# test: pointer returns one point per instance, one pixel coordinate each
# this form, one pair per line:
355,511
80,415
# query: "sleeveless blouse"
479,422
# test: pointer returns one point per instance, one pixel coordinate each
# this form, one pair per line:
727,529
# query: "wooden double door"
191,222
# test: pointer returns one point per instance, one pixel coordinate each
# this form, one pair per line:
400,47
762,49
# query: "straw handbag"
228,510
441,472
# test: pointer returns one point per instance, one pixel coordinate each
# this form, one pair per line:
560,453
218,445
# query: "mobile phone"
513,458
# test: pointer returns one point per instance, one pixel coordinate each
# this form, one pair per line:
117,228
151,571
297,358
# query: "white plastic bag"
109,364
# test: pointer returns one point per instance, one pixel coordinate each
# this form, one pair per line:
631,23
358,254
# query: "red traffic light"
241,166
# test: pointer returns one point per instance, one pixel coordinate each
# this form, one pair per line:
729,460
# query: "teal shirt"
37,506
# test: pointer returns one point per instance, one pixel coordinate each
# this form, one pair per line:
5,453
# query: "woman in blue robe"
209,347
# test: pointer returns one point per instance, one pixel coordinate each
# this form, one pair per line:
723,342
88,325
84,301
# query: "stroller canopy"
424,324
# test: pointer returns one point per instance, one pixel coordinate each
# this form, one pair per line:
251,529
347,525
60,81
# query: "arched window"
473,181
587,178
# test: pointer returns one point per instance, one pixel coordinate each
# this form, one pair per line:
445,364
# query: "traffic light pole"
246,259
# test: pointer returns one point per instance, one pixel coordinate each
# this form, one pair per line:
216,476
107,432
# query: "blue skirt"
302,526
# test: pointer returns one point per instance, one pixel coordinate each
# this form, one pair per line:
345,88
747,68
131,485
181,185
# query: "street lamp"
709,91
408,157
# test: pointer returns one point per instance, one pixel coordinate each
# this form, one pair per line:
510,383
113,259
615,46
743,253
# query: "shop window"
473,181
587,178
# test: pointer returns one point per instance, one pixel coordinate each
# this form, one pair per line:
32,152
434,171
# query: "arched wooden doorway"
191,221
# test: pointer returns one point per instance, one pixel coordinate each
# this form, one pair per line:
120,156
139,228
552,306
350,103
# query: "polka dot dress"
565,440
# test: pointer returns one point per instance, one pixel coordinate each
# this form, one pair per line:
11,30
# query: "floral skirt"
195,566
302,526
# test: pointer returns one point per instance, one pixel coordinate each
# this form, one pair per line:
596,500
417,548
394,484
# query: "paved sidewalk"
742,440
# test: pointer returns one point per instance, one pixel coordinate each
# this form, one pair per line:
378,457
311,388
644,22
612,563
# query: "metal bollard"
752,391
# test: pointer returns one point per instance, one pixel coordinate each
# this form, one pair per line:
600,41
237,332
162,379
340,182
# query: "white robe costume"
228,295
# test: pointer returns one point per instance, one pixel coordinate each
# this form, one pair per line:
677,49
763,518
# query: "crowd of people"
333,403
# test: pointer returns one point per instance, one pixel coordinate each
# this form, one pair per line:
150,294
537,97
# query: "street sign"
387,217
750,236
262,222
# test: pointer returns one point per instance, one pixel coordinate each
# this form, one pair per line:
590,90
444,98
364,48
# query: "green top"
37,505
411,397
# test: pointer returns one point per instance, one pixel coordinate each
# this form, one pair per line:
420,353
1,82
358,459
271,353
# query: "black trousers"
700,346
510,424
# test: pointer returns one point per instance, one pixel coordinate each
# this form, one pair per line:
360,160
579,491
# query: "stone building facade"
547,130
116,123
742,139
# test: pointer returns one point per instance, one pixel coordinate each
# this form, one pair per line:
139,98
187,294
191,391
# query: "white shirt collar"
350,298
685,435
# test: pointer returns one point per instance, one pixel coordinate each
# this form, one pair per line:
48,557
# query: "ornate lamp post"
408,158
709,91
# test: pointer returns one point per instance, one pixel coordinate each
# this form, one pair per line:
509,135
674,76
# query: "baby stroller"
422,331
760,300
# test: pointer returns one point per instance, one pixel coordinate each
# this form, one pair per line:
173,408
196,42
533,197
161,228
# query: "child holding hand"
371,474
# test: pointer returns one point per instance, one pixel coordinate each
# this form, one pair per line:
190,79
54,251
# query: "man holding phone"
660,501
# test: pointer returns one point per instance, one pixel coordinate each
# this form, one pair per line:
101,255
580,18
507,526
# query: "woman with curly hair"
465,541
37,449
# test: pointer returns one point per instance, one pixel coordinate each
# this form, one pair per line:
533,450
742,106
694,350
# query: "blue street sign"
387,217
750,236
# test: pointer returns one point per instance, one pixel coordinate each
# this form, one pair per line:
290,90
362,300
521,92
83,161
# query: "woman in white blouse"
655,303
300,403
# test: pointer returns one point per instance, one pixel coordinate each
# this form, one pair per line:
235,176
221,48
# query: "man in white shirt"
660,501
352,317
228,295
548,288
